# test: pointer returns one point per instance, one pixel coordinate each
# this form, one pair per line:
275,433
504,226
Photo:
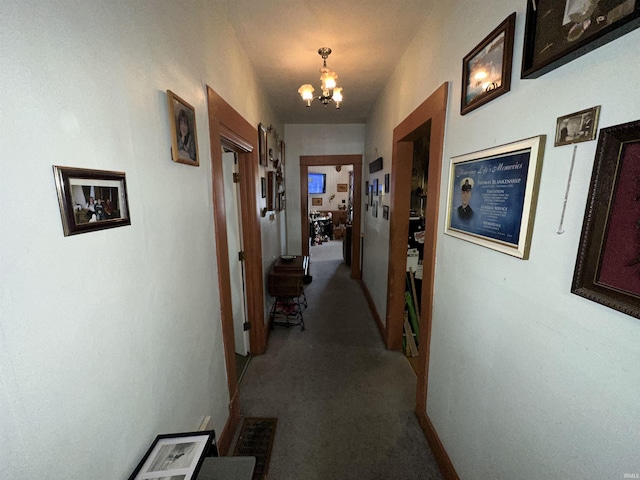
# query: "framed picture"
386,183
282,158
272,191
492,196
263,187
385,212
184,137
342,187
177,456
366,187
371,195
608,263
262,144
282,203
557,32
375,187
486,70
91,199
316,201
577,127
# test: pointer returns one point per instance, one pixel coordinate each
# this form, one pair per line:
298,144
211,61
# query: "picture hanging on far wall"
316,201
184,137
492,196
342,187
577,127
91,200
558,32
263,187
386,183
385,212
262,145
175,456
486,70
608,264
375,187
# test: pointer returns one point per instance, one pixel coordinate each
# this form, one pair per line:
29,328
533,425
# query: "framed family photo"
177,456
608,263
577,127
184,137
91,200
492,196
486,70
559,31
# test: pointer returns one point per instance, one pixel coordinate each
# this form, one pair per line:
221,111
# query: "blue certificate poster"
491,195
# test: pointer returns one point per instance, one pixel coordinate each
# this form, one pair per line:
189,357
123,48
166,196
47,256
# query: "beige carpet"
331,250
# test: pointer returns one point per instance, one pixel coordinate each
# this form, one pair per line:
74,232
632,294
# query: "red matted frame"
608,264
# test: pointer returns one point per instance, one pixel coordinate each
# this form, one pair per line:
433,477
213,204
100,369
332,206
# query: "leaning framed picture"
492,196
91,200
262,144
486,70
557,32
608,263
184,137
176,456
577,127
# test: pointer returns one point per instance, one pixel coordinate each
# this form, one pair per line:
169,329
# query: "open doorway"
309,163
425,125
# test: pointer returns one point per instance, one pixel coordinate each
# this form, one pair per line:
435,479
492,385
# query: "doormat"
256,440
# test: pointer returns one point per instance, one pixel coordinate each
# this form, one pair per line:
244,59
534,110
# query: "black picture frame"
376,165
91,200
486,70
555,36
608,260
386,183
180,455
263,187
262,144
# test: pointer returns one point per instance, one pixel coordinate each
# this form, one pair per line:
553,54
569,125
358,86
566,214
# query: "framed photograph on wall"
262,145
577,127
608,263
342,187
557,32
184,137
486,70
385,212
91,200
492,196
386,183
263,187
375,187
176,456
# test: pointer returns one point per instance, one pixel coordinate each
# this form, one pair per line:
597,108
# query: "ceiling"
282,38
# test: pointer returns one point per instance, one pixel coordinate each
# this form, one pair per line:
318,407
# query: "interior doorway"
426,121
233,208
329,160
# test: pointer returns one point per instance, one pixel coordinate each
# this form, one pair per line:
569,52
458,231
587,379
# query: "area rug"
256,440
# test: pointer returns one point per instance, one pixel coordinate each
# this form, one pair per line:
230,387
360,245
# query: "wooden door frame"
326,161
226,126
431,114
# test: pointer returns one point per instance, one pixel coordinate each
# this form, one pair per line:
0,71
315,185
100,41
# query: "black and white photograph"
177,456
577,127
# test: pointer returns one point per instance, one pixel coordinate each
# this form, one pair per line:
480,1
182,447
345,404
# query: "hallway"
344,403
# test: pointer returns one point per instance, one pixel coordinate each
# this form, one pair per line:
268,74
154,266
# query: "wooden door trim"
431,113
328,160
227,125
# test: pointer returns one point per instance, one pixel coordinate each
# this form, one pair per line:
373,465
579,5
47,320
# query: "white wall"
109,338
526,380
302,140
332,179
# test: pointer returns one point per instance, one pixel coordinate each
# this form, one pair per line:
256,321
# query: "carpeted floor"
344,403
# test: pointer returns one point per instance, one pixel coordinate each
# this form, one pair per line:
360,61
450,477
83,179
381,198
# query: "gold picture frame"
184,136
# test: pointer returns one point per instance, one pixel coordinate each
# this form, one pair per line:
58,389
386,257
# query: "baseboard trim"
226,436
442,457
372,307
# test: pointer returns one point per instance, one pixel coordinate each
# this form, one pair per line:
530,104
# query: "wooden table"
285,282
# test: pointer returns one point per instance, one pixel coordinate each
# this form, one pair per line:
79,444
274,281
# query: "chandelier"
330,92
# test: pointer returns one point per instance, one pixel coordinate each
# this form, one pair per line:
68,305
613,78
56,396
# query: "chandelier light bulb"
330,91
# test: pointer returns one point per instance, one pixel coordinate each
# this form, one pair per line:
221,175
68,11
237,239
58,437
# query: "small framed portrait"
184,137
385,212
176,456
91,200
316,201
577,127
262,145
486,70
